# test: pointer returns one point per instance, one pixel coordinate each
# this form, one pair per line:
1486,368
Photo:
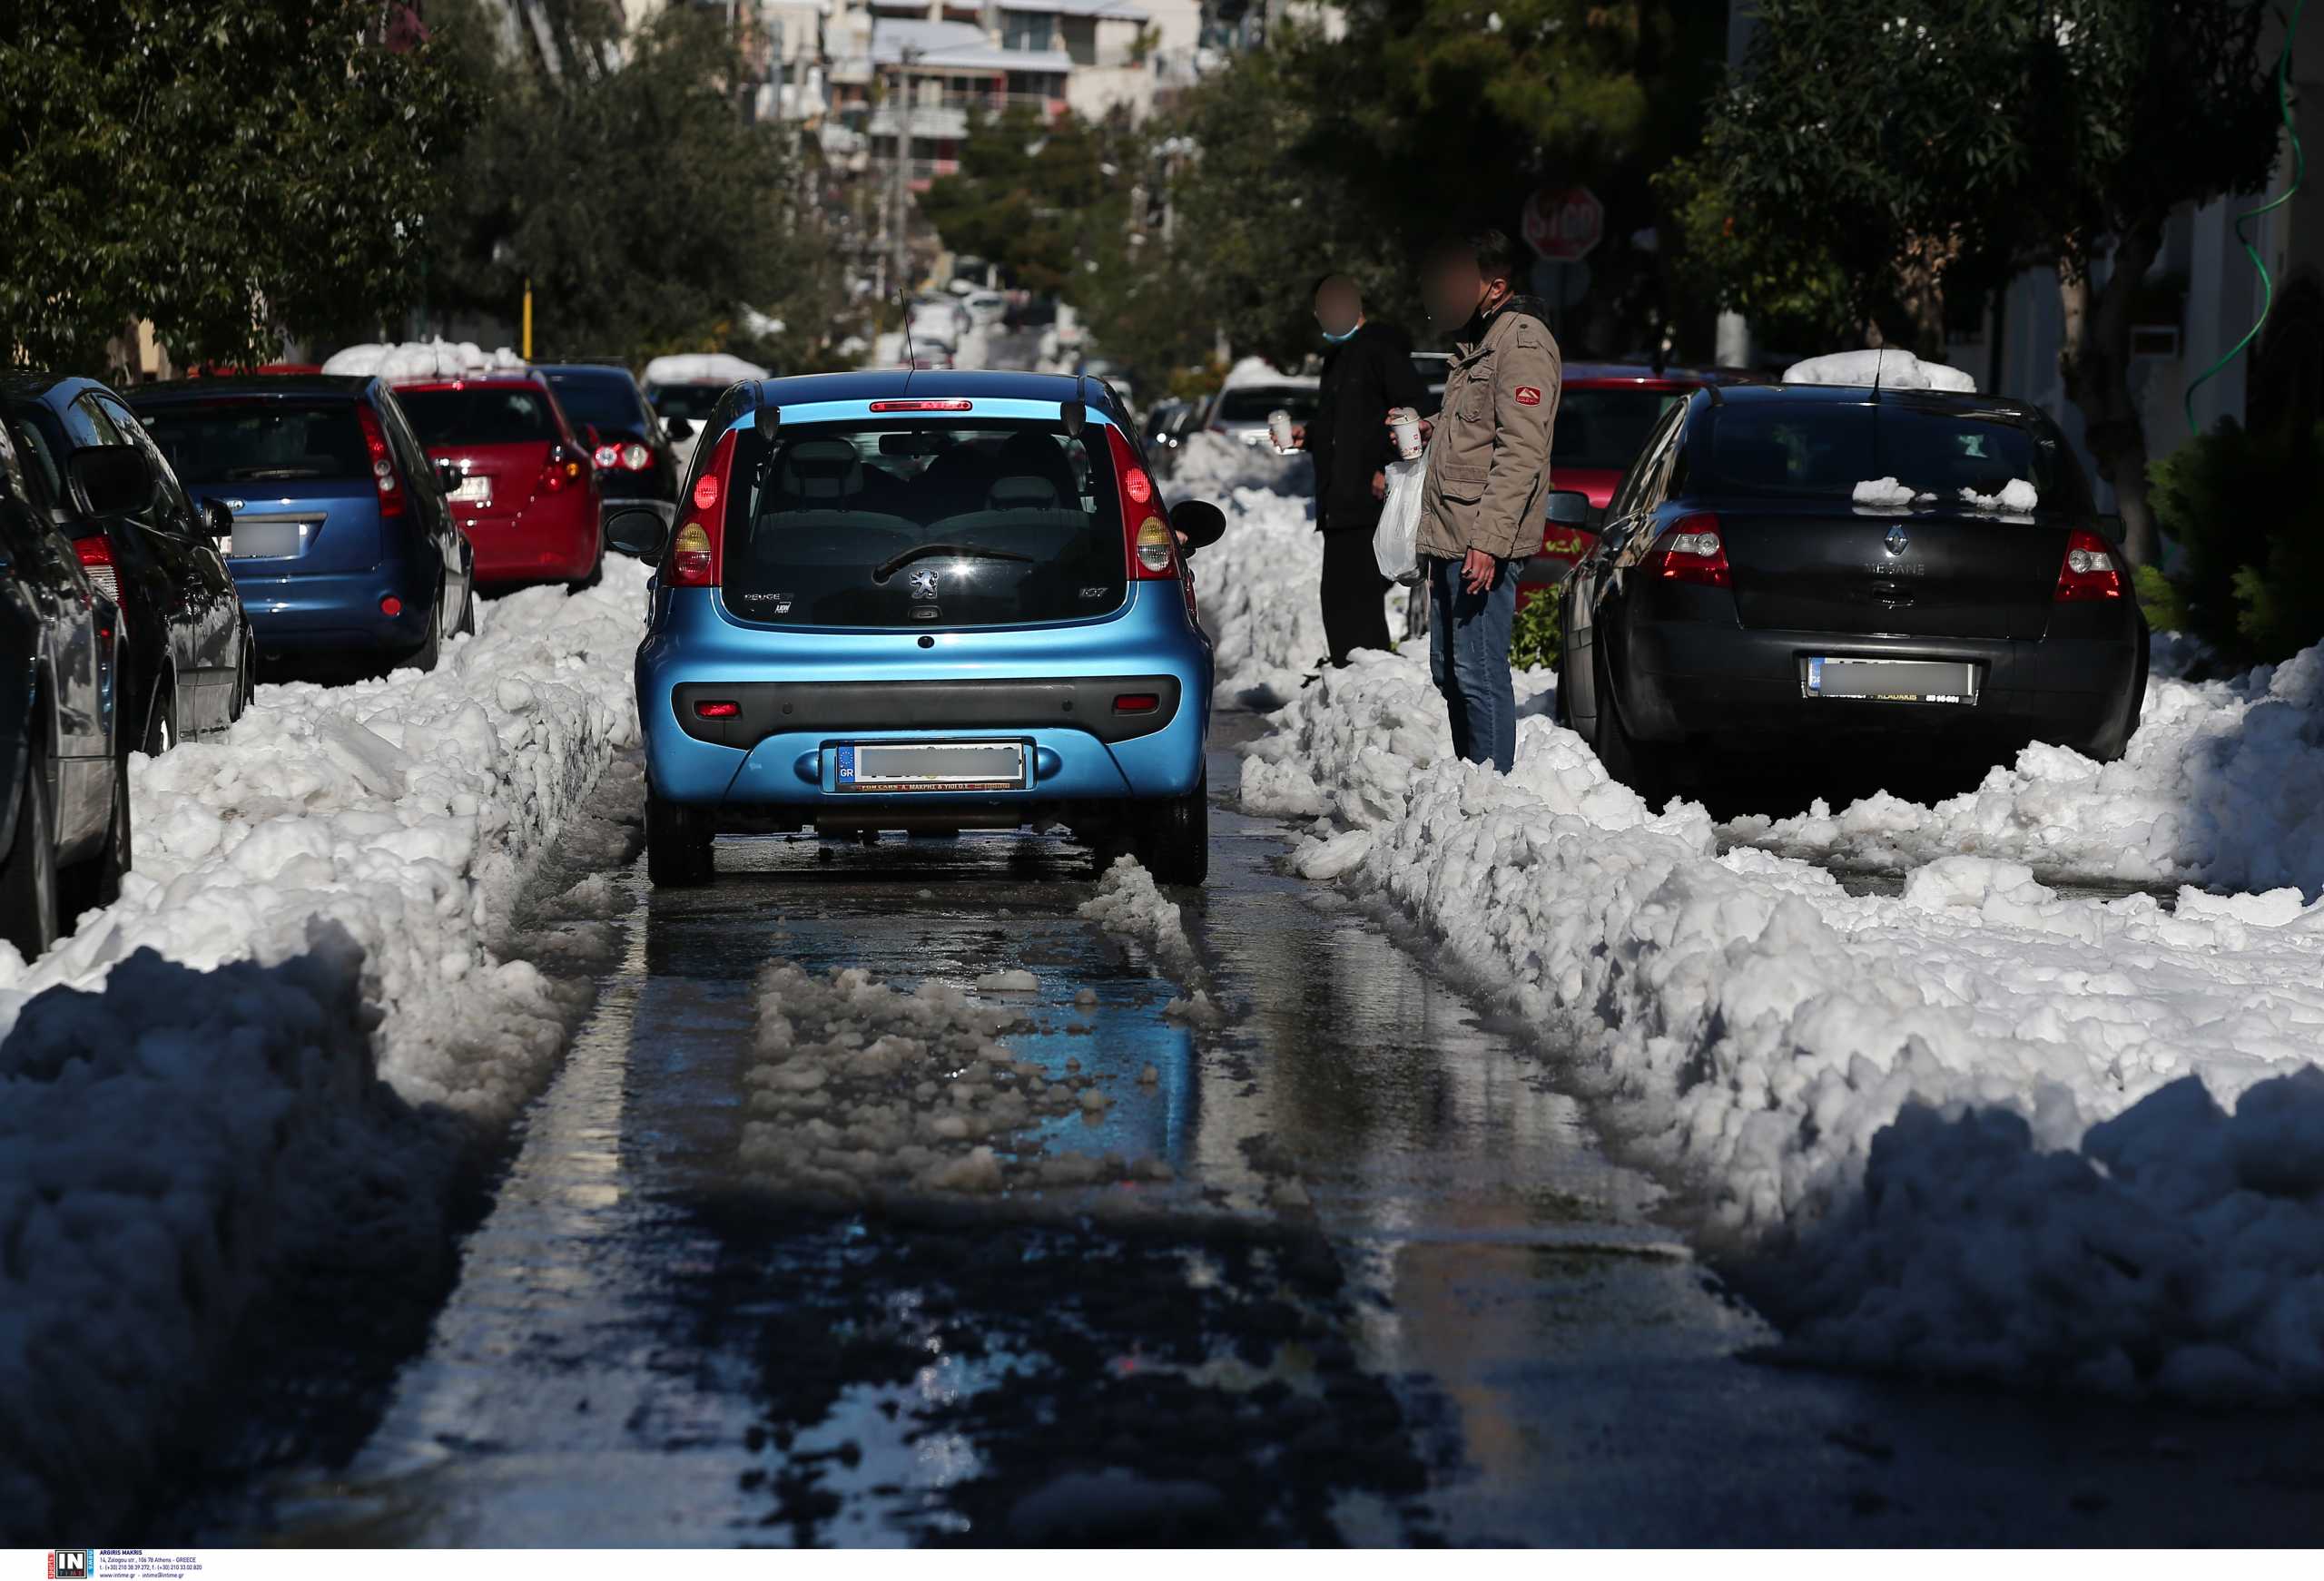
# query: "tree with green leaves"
621,177
229,170
1875,160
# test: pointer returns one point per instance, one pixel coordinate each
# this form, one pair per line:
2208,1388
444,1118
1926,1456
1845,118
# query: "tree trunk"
1920,291
2094,361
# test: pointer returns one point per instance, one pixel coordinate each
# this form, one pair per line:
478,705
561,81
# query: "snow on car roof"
1259,371
413,360
702,368
1889,367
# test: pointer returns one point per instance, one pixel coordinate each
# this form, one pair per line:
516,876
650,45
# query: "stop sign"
1562,224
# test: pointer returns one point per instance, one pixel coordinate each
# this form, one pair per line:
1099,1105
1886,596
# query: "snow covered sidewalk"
294,1002
1980,1129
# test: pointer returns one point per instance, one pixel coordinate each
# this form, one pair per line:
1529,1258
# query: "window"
1824,449
912,526
693,402
485,413
1252,403
250,440
1605,429
609,402
176,513
1026,30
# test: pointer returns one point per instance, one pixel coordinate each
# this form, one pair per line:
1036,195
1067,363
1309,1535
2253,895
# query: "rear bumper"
1691,678
339,611
554,539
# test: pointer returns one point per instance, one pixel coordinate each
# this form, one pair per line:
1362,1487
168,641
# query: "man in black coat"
1367,371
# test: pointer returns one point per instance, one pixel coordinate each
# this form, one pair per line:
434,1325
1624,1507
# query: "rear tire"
425,657
1641,765
96,880
28,872
1174,844
677,845
162,718
245,680
466,626
596,570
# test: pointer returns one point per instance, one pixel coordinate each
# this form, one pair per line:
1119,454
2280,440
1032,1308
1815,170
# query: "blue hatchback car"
343,544
924,601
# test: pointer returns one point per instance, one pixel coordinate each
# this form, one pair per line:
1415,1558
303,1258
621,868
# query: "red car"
528,497
1605,412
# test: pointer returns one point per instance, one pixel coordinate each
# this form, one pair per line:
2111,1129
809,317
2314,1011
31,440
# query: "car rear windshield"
691,401
1252,403
480,415
1823,450
610,401
1605,428
250,441
922,524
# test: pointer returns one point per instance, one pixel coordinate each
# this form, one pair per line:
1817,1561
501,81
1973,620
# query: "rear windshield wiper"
255,473
895,562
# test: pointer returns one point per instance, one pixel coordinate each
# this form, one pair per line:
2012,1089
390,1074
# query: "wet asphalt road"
1395,1292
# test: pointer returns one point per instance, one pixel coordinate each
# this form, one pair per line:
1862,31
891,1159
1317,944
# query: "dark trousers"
1355,613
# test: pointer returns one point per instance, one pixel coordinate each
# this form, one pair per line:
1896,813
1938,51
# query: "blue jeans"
1468,658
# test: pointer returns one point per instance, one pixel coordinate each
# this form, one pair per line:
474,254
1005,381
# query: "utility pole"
900,189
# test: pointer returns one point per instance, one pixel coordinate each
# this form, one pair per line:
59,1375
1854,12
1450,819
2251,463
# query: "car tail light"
695,552
923,405
636,457
2089,570
1691,551
392,606
1136,701
1153,546
96,558
607,455
718,710
564,468
383,462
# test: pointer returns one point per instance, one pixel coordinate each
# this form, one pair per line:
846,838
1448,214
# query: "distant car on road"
1748,593
987,310
343,544
64,813
899,602
626,442
1239,412
684,386
527,494
191,661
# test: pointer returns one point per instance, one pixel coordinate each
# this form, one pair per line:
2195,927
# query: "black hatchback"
633,455
191,661
1786,566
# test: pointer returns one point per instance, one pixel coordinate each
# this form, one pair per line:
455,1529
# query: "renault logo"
923,585
1897,539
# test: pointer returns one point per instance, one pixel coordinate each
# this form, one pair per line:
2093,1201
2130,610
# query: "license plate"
261,539
1938,680
476,488
893,766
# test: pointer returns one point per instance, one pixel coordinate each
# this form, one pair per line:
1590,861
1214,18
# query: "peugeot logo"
1896,540
923,585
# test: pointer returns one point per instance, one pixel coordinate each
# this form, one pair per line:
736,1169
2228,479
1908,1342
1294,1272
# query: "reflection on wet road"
1393,1290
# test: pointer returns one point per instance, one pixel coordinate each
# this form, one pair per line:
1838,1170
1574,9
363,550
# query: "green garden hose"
2298,171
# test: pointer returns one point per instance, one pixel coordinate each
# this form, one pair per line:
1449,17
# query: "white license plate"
1941,680
891,766
473,489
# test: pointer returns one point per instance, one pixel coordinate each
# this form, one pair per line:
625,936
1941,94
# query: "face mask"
1343,337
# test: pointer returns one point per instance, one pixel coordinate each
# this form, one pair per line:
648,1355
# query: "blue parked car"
343,543
924,601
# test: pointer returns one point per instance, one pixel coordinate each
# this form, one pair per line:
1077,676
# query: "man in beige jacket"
1488,472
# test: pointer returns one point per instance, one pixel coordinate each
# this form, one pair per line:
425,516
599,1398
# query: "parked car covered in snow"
1239,412
1789,566
64,742
191,661
898,601
343,544
527,494
683,388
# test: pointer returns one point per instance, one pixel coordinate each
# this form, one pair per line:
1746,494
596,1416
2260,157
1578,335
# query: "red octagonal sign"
1562,224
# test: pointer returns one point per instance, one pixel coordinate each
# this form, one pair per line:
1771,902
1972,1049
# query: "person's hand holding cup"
1280,430
1412,434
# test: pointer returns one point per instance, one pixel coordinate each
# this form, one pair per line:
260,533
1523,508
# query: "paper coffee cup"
1279,428
1406,423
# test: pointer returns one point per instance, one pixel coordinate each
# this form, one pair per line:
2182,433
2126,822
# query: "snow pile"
2017,497
418,361
1213,466
1128,902
1888,494
863,1090
2224,784
327,884
1259,371
1762,1035
1889,367
703,367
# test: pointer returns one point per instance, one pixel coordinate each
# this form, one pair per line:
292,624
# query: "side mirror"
113,479
216,519
448,478
1566,507
1198,521
637,532
676,427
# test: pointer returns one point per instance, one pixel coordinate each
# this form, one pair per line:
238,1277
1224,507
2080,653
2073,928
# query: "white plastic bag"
1395,542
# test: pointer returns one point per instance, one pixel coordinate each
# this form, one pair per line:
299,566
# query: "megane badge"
923,585
1897,539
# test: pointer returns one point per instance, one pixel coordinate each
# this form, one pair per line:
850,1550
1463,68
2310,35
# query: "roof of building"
956,44
1109,10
